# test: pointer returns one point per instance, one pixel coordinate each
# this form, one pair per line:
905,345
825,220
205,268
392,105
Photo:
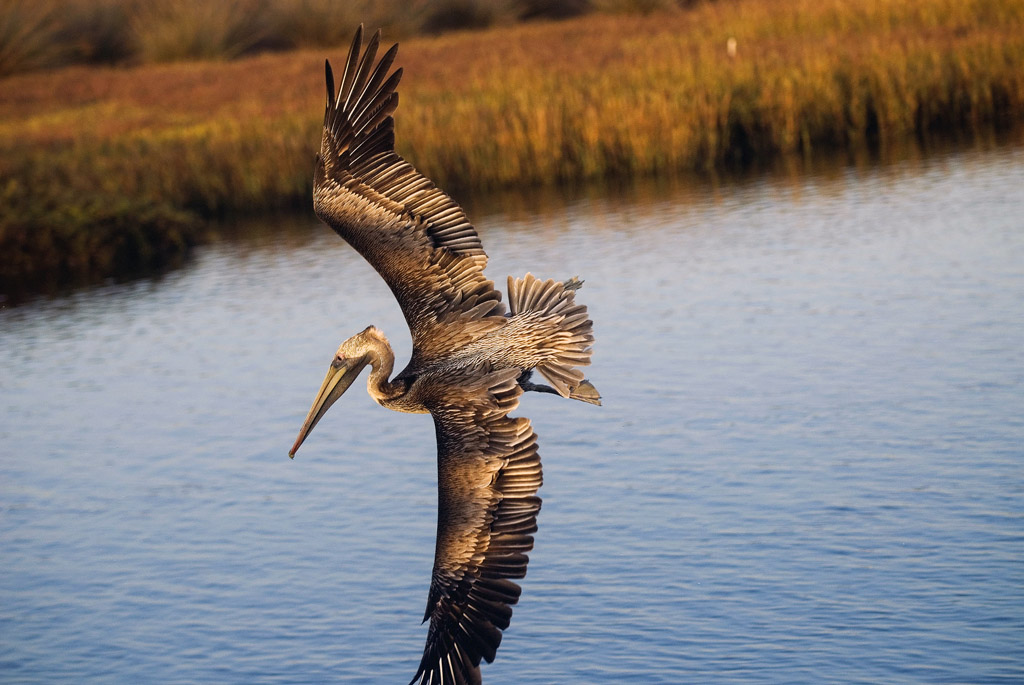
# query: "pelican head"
352,356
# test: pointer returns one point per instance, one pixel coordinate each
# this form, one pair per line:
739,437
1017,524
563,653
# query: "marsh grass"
599,96
28,36
36,34
169,30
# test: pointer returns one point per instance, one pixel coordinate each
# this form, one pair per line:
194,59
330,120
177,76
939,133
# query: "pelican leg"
526,385
585,391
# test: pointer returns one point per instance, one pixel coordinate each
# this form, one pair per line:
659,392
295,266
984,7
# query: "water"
809,466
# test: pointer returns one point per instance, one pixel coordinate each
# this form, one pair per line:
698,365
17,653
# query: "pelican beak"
339,378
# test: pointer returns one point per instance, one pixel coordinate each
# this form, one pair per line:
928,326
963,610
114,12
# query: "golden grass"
537,103
37,34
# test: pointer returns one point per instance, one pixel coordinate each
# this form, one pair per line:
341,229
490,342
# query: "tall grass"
28,36
41,33
537,103
627,95
168,30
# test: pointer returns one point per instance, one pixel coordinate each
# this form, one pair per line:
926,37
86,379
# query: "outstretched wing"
488,475
416,237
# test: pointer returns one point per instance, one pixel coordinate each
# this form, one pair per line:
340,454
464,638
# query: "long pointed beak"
339,377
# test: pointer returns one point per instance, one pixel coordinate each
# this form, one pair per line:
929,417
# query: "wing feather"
416,236
488,475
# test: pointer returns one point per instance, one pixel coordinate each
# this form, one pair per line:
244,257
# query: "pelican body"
471,360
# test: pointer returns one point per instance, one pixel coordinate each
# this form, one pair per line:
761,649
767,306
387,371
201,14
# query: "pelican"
471,360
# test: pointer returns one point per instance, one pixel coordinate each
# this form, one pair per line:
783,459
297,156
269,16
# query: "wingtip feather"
329,74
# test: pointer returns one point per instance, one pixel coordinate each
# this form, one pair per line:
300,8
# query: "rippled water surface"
809,466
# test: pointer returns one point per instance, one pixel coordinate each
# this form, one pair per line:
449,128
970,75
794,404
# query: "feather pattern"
488,475
411,232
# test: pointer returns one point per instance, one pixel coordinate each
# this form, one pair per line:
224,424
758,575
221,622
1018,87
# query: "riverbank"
107,170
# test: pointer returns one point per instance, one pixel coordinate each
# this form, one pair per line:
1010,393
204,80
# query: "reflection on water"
808,467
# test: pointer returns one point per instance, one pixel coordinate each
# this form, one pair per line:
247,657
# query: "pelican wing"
410,231
488,475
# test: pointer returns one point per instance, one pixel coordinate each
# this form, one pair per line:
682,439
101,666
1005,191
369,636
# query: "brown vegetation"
536,103
38,34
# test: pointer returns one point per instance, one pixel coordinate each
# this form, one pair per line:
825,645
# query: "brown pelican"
471,360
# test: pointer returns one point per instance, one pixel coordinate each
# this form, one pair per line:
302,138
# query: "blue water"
809,466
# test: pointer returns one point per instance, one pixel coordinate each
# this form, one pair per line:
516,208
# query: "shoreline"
111,171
